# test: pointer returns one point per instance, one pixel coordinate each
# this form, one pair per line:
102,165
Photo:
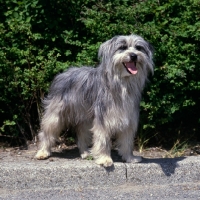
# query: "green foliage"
39,39
173,28
27,66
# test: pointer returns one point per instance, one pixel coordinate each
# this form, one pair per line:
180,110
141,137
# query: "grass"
89,158
178,149
142,141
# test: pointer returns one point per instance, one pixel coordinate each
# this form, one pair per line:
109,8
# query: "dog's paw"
42,154
134,159
85,154
105,161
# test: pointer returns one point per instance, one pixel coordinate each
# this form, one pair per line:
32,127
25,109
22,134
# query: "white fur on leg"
42,154
51,127
44,146
134,159
85,154
105,161
101,146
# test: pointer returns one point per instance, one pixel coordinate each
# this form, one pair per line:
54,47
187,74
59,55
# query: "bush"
29,59
171,101
39,39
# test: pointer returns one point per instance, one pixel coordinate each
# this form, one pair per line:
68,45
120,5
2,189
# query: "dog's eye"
139,48
123,47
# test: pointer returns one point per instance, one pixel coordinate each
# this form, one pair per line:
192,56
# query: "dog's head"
129,55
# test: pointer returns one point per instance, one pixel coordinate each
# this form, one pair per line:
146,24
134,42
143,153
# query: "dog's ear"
106,49
151,48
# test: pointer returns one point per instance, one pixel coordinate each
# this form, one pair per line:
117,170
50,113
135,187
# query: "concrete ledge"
165,171
34,174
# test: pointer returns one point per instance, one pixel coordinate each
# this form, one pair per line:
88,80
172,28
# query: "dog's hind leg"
51,128
101,149
84,136
44,146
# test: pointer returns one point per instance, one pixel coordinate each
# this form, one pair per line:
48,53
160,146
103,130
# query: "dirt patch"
71,152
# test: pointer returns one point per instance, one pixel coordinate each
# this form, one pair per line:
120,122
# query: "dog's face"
127,54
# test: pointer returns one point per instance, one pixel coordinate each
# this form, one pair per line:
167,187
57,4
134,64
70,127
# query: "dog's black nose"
133,57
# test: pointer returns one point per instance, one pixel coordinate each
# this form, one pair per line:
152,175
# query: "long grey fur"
100,103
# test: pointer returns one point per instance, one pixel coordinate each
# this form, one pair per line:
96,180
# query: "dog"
99,103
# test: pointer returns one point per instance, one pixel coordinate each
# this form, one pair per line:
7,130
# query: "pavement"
62,177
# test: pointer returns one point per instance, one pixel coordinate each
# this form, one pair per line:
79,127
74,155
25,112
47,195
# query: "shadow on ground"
168,165
74,154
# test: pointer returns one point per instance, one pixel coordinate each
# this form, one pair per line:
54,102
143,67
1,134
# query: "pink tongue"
131,67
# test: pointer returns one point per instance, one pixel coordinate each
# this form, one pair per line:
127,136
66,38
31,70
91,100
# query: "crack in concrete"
126,172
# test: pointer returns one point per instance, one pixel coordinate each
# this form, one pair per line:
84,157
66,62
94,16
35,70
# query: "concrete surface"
58,178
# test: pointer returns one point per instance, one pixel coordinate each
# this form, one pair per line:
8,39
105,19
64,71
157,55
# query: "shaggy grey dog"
99,102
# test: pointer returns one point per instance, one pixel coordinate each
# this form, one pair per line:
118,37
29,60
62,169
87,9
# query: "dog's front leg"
125,143
101,149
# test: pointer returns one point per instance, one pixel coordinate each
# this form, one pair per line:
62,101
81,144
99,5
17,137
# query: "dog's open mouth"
131,67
